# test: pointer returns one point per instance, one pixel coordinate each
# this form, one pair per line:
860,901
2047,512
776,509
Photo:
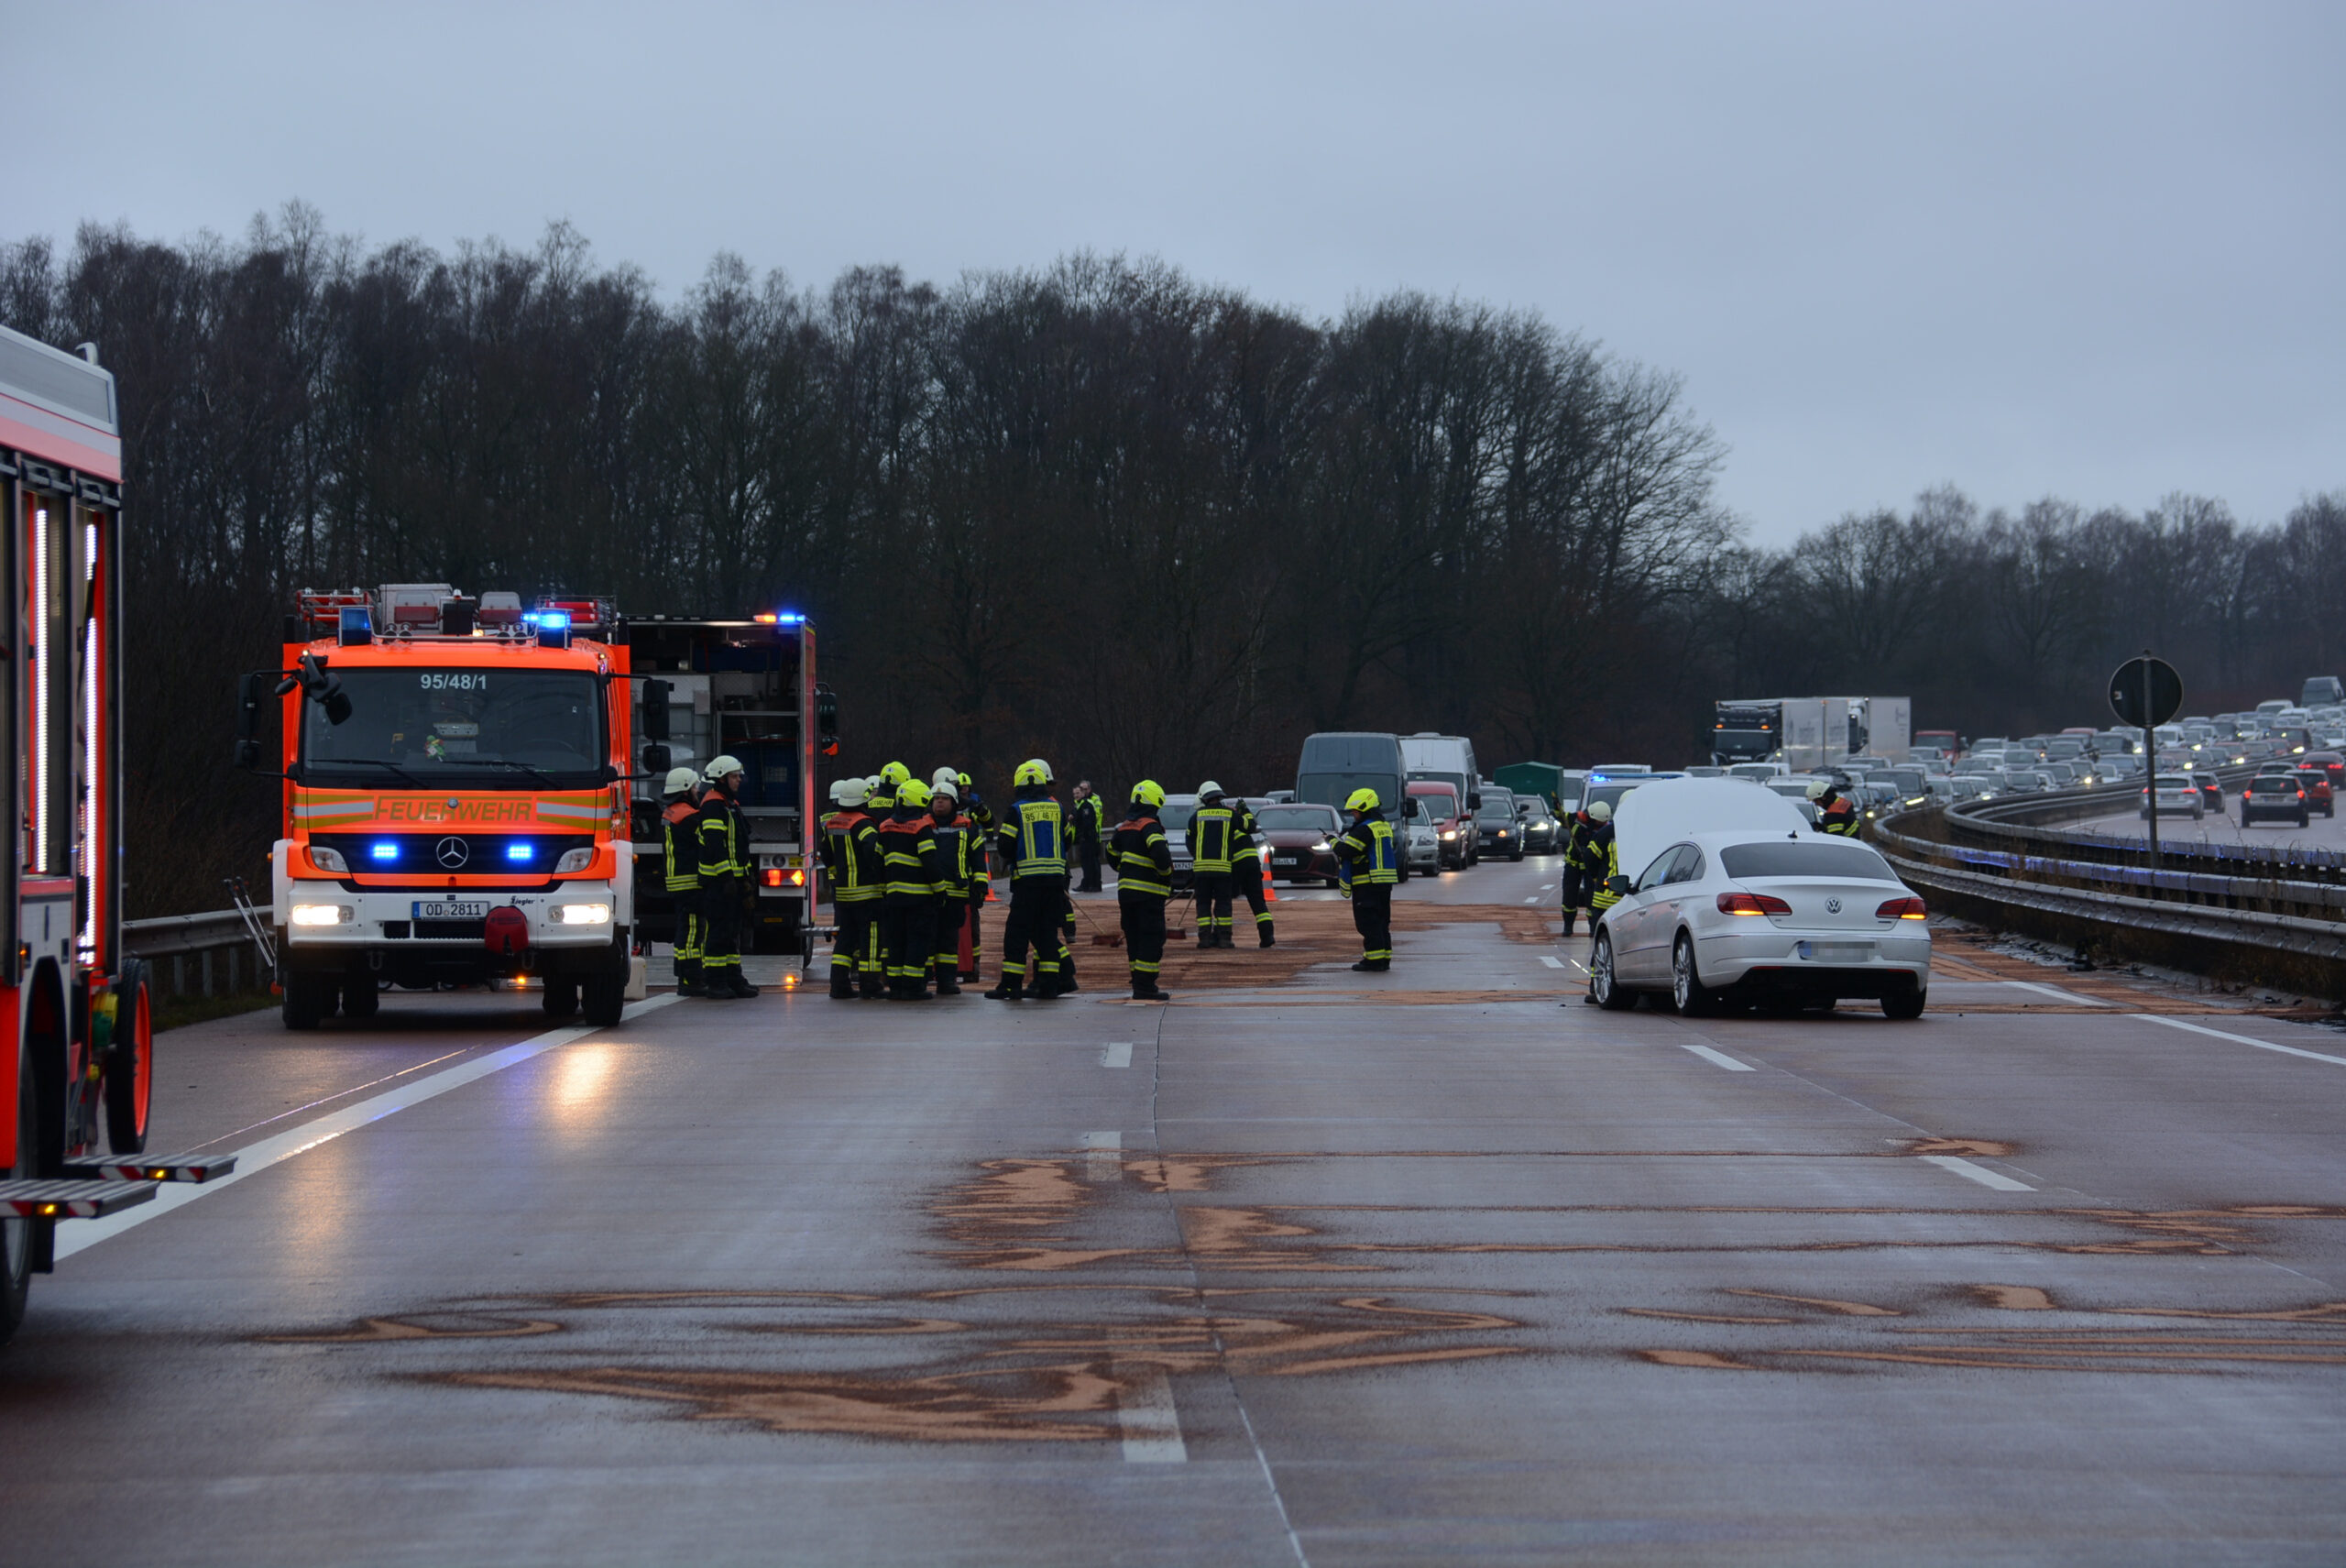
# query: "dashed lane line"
253,1158
1978,1173
1717,1058
1116,1053
1104,1159
2058,994
2203,1030
1551,963
1151,1426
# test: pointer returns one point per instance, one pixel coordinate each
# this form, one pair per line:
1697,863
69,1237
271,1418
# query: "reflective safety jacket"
853,858
1840,816
680,846
1367,854
1086,825
1244,858
1034,838
1144,860
954,837
724,840
1211,832
1604,863
1579,854
908,848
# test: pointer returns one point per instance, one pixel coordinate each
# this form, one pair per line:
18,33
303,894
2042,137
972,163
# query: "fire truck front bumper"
322,918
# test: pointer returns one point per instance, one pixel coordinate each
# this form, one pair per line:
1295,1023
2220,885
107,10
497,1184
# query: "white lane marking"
2201,1029
1978,1173
1102,1156
1551,963
1531,901
1718,1058
256,1158
2059,995
1547,887
1145,1412
1116,1053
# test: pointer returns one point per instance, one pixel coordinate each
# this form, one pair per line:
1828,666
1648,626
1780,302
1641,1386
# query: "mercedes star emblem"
452,853
1832,905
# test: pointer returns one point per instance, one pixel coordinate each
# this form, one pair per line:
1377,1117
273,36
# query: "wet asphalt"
1421,1267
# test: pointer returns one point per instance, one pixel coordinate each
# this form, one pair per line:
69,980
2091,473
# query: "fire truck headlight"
327,859
583,914
322,915
575,860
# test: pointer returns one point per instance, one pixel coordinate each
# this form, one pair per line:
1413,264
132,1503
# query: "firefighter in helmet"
854,867
680,865
724,889
1836,813
1032,840
1368,864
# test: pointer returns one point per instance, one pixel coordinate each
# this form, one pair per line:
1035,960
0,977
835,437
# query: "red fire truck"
78,1064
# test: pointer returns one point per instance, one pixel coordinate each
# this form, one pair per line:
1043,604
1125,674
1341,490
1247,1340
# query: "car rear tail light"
1903,909
1752,904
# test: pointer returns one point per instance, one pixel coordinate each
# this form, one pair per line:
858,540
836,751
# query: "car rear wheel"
1906,1005
1609,992
1694,999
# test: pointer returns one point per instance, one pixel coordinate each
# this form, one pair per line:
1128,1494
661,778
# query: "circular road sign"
2142,678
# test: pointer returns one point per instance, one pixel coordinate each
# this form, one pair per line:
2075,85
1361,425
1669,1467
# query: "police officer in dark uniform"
724,837
1368,864
1084,829
1143,882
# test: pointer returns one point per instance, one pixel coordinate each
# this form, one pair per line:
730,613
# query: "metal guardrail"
195,954
2238,910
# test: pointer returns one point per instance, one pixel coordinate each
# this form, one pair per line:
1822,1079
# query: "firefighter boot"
1569,916
740,986
1012,989
1263,937
1145,989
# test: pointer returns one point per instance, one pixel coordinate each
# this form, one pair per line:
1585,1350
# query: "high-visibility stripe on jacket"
1144,860
1211,832
909,850
680,846
851,857
1841,819
722,839
1607,855
1368,853
1086,825
952,855
1034,838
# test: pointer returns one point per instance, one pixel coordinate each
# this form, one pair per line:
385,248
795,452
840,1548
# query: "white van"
1444,759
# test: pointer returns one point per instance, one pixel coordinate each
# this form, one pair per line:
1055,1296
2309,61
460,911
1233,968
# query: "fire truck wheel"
308,999
360,999
130,1065
16,1235
561,998
606,997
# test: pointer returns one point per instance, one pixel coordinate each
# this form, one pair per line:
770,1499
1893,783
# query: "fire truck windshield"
470,728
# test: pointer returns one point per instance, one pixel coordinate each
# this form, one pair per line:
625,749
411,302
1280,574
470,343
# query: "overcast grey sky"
2086,249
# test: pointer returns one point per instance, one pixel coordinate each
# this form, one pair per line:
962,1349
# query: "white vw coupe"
1739,900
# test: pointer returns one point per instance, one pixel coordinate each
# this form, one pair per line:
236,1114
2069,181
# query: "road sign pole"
2151,767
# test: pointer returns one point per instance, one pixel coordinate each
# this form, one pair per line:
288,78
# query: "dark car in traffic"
1496,831
2273,798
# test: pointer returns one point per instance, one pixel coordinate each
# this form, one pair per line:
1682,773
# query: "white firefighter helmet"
850,792
724,766
679,780
1601,812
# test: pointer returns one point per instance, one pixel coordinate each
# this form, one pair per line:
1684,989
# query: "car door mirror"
1618,886
655,709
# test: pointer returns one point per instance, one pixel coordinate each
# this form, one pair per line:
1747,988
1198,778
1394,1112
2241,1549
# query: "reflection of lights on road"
582,1077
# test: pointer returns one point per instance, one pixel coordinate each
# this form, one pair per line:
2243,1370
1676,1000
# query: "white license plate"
449,909
1837,953
1287,860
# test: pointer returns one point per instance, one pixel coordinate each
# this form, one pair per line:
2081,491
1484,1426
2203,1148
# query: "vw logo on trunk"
452,853
1831,906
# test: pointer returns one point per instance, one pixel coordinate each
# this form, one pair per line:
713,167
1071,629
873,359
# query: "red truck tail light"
1903,909
774,876
1752,904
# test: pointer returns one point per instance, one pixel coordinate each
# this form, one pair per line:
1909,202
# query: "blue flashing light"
384,850
520,850
552,620
355,626
789,618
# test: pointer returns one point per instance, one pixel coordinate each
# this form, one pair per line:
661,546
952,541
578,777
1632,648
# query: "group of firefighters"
909,866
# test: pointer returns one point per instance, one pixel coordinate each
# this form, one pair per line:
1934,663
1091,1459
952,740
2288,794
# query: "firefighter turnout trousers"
855,949
1247,873
1142,915
1373,917
1039,906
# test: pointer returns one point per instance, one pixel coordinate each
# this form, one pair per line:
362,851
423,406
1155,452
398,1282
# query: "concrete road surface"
1420,1267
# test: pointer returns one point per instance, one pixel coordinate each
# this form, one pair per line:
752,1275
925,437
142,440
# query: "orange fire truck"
80,1054
456,776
